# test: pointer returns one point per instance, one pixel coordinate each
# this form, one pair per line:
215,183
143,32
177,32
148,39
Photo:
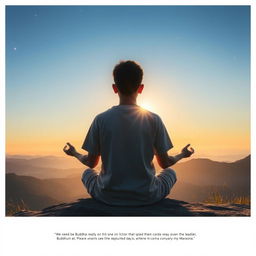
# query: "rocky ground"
167,207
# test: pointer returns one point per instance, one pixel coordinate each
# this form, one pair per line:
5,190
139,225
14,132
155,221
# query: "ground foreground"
167,207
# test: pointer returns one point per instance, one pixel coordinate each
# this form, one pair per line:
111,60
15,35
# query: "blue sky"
196,61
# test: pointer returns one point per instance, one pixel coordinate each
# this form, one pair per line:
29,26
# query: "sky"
196,62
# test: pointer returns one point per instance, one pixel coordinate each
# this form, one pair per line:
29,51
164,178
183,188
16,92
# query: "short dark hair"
127,76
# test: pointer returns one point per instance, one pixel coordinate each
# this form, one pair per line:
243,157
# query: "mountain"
41,173
205,172
55,162
45,161
198,180
36,194
192,171
45,167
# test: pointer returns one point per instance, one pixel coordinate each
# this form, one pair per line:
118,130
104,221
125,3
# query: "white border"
216,235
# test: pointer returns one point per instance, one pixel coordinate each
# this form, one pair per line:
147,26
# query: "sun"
147,106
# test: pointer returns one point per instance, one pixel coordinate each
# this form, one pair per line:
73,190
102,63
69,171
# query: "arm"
166,161
89,160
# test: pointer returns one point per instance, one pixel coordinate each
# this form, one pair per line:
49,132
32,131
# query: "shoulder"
103,115
157,121
154,116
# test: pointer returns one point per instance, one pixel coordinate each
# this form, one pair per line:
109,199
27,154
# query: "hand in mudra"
69,151
187,152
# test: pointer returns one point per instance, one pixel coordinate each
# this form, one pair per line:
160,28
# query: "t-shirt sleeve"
92,139
162,140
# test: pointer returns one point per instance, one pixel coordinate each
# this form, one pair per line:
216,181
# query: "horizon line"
29,156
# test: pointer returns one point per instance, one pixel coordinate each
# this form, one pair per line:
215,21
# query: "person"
127,137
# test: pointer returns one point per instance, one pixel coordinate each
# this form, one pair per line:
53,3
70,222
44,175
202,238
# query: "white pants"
166,180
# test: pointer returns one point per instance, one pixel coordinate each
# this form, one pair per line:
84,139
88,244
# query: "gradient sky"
196,62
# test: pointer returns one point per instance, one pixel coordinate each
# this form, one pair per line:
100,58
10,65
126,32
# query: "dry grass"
218,198
13,207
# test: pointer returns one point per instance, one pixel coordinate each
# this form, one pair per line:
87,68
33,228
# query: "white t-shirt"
127,137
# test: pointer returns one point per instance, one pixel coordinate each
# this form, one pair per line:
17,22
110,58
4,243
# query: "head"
128,77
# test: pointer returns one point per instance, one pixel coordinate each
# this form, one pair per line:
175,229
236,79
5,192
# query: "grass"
218,198
13,207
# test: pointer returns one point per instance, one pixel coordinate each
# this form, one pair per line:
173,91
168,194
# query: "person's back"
127,137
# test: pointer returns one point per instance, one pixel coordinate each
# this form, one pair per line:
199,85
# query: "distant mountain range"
208,172
52,183
37,193
46,161
44,167
198,179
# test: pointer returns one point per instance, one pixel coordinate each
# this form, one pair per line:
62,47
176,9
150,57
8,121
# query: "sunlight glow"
147,106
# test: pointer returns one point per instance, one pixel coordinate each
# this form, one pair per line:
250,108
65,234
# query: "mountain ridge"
197,180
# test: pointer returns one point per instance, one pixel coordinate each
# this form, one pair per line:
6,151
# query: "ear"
140,89
115,89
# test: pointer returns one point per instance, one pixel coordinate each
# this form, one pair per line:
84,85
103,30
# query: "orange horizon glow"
233,150
210,138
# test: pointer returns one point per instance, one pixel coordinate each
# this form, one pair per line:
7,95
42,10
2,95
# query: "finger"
192,150
69,144
187,146
65,148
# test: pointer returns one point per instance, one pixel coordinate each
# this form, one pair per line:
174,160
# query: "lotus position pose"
127,138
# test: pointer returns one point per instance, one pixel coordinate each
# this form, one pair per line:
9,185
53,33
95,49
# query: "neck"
127,100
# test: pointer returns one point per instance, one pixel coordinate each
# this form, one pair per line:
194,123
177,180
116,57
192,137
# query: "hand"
186,152
71,151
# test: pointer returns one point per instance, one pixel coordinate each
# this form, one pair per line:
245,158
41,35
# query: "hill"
198,180
46,167
36,194
205,172
56,162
